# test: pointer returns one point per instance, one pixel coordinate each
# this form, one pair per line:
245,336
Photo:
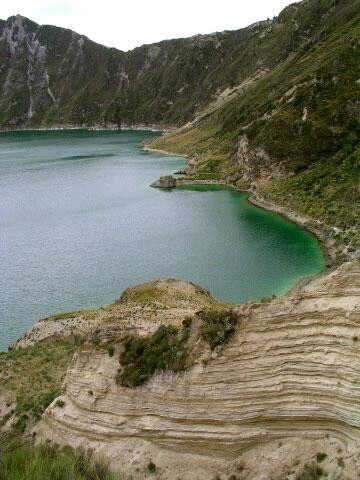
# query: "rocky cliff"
278,400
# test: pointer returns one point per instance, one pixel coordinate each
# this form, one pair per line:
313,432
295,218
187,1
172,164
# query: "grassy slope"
21,460
33,377
316,153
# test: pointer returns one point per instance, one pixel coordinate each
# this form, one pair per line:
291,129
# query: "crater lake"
79,223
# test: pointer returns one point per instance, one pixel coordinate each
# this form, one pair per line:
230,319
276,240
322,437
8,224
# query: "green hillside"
294,134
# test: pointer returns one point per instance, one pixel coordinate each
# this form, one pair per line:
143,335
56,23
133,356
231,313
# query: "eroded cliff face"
253,165
282,390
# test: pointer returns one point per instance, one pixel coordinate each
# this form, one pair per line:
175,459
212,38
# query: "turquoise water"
79,223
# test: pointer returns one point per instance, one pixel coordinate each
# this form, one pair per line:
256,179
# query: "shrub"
142,356
151,467
310,472
320,457
96,341
110,350
217,326
187,322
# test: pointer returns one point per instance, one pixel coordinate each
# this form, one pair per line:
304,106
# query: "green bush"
217,326
151,467
142,356
320,457
310,472
60,403
96,341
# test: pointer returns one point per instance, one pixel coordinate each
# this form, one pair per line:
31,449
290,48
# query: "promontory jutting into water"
79,223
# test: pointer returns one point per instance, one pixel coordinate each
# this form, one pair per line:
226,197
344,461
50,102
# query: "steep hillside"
51,76
293,134
168,383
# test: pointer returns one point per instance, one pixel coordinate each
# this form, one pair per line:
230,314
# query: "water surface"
79,223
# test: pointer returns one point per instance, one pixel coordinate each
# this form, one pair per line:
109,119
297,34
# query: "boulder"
166,181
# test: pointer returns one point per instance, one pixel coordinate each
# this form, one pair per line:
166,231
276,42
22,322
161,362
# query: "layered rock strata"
285,388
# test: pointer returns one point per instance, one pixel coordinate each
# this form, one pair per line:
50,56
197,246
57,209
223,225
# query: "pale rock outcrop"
284,388
167,181
255,166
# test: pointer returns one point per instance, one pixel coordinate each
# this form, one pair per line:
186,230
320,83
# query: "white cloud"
130,23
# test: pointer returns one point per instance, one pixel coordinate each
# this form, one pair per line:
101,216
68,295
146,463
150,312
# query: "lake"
79,223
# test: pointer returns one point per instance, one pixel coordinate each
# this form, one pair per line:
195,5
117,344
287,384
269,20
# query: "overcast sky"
130,23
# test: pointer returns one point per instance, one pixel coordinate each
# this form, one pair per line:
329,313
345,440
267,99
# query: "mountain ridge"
164,83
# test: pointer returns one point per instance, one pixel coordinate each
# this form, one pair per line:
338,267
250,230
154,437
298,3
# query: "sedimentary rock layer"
283,389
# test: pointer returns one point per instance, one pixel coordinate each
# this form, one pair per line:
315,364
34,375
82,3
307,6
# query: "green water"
79,223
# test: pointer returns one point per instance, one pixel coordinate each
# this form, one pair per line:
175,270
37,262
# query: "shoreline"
111,128
303,222
252,198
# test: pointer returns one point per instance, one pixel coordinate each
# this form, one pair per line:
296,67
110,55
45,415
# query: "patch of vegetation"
310,472
22,460
328,190
217,326
164,296
142,356
318,151
33,376
211,157
151,467
110,350
320,457
95,341
142,294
